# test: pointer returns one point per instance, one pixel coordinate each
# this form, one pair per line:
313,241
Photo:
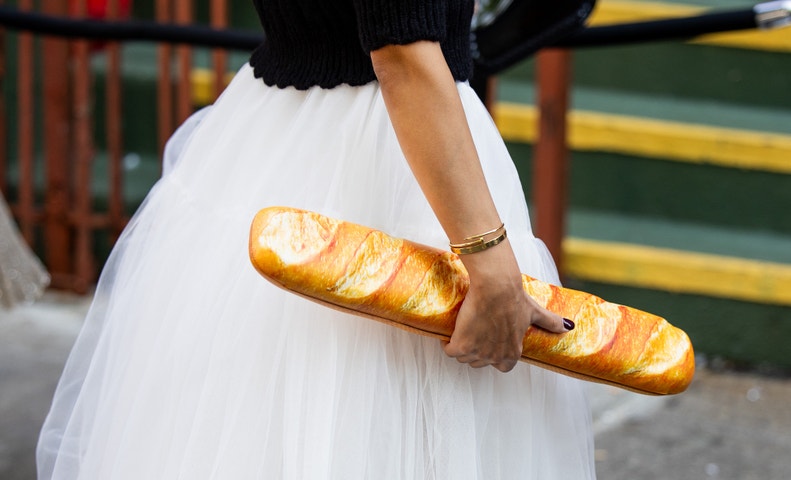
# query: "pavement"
727,425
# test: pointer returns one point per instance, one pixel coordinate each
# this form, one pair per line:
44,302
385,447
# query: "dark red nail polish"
568,324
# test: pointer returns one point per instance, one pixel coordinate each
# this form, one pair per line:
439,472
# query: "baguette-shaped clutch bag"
364,271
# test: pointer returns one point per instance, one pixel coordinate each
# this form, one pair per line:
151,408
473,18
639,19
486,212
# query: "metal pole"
184,65
82,143
3,116
26,210
113,114
55,68
165,123
551,155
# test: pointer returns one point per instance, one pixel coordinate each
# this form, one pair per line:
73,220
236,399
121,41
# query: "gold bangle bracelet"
478,243
475,238
479,246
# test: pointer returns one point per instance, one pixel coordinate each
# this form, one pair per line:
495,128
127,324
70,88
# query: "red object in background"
98,9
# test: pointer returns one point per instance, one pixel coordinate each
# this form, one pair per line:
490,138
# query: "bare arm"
424,106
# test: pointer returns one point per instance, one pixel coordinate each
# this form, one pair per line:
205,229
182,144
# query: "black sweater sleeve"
327,42
400,22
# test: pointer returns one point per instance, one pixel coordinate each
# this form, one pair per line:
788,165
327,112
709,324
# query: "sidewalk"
34,343
726,426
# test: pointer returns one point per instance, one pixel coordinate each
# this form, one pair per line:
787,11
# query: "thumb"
549,321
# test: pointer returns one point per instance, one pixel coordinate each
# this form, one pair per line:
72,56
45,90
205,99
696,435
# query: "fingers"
549,321
504,361
499,354
490,327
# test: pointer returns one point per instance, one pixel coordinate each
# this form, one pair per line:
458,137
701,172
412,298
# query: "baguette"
363,271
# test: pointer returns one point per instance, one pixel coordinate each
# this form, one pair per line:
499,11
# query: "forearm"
424,106
429,120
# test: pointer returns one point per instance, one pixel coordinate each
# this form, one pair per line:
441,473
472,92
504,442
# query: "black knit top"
327,42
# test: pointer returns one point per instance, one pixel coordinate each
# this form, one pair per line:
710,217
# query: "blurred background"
674,198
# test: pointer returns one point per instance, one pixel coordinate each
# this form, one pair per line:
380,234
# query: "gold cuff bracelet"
477,243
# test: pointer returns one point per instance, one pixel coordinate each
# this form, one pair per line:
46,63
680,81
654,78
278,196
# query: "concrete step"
674,191
682,71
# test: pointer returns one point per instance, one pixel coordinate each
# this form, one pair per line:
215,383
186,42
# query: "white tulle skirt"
191,366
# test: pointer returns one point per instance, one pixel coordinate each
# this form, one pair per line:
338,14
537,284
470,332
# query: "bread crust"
418,288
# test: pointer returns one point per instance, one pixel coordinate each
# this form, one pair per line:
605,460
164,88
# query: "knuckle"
505,367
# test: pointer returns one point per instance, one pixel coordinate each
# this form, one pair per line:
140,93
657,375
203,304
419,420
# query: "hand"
429,120
496,313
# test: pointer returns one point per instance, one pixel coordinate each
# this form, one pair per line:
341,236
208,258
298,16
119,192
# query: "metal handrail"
766,15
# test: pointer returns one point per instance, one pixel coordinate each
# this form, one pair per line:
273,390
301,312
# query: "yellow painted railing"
678,271
594,131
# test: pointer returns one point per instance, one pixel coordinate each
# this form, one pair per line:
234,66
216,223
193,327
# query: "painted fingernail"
568,324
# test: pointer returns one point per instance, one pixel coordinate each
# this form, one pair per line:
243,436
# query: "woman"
191,366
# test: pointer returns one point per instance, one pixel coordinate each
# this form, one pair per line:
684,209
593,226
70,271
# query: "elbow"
394,64
389,63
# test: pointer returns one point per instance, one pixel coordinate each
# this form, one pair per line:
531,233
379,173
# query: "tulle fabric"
22,276
191,366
